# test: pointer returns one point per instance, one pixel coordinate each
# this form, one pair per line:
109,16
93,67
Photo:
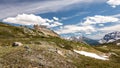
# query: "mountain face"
83,40
45,30
111,37
91,41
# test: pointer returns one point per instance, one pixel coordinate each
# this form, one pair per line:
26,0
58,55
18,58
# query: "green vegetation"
86,62
111,48
10,34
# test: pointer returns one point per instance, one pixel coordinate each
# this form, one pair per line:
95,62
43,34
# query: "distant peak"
111,37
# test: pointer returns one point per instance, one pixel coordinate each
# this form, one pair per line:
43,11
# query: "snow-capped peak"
110,37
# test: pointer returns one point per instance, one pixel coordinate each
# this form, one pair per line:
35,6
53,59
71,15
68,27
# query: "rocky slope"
45,30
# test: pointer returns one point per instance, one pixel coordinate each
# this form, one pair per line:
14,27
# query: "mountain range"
108,38
83,39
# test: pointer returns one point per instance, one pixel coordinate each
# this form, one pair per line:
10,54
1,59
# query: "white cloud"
101,24
55,24
31,19
75,28
110,28
39,7
87,26
77,14
97,36
55,18
98,19
114,3
116,15
25,19
49,20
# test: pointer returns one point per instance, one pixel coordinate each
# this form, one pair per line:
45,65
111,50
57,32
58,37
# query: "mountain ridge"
83,39
110,37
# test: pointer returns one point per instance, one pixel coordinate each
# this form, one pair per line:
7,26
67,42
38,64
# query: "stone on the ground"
17,44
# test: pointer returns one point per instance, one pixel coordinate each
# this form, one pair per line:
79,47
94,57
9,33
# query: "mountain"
40,47
111,37
83,39
90,41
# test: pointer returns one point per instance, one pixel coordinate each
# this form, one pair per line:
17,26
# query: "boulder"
17,44
118,44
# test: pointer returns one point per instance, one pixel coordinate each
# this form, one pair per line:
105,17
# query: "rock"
26,47
17,44
118,44
60,53
105,46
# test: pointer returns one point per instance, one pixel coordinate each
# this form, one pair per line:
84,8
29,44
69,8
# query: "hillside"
45,49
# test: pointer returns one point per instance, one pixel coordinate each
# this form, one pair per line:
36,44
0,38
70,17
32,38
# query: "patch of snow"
117,38
105,46
111,40
105,56
102,41
92,55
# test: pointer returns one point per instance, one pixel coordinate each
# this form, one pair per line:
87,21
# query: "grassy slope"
42,51
110,48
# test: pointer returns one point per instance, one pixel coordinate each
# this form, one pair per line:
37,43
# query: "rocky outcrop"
46,31
17,44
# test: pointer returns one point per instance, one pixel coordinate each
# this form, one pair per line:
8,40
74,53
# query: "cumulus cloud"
110,28
25,19
75,28
98,19
55,18
55,24
87,26
48,20
31,19
114,3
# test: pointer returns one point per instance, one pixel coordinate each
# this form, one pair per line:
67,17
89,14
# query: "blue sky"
90,18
